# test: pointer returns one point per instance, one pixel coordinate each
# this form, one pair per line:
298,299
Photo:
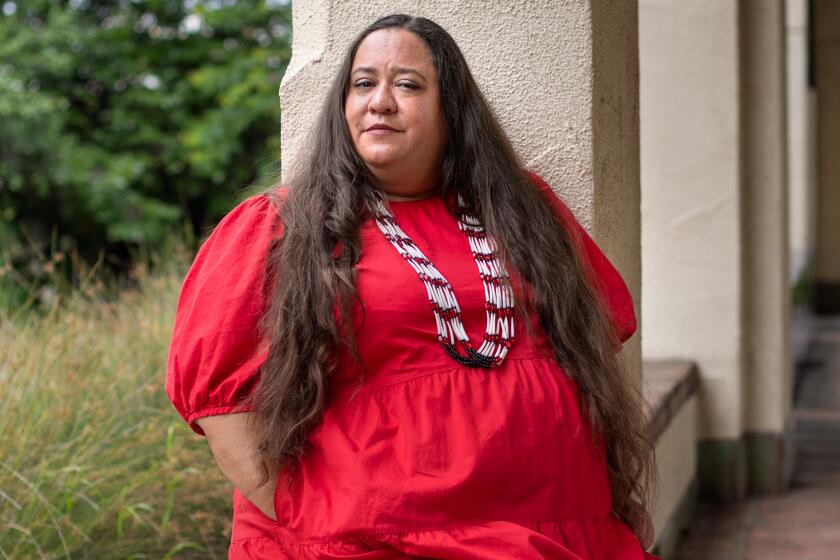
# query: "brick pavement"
804,523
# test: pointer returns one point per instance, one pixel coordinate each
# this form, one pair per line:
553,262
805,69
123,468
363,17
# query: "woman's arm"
231,440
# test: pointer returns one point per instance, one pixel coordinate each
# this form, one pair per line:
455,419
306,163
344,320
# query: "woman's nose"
382,100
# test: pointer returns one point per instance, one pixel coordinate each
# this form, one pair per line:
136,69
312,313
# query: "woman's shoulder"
236,249
259,213
607,279
260,204
554,199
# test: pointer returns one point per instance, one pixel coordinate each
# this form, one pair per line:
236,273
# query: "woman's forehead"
393,51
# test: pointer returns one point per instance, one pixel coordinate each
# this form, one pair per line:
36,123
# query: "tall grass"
94,462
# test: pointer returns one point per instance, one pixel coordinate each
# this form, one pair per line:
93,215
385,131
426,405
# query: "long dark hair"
311,270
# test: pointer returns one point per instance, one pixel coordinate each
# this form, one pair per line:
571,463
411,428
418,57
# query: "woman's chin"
381,162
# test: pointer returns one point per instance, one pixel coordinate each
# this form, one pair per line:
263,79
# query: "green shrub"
122,121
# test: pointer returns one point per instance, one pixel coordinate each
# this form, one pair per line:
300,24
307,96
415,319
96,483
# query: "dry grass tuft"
95,462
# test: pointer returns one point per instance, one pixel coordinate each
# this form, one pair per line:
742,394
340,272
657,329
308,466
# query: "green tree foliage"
123,120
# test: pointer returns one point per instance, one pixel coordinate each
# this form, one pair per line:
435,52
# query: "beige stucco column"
802,168
766,284
714,244
562,78
691,207
827,69
801,144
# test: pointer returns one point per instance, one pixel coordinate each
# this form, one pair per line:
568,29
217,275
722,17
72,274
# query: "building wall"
691,198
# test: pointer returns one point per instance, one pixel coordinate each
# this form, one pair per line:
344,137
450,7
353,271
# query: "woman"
410,352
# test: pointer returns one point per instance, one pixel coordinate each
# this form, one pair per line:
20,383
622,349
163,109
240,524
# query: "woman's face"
394,82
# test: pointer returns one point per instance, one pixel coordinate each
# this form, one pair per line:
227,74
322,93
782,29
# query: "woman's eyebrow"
406,70
398,70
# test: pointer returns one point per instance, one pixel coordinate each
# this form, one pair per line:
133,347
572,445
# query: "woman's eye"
368,83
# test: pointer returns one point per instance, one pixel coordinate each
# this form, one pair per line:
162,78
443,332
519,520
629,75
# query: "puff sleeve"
215,352
608,282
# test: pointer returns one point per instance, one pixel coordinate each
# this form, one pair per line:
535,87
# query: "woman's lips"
381,128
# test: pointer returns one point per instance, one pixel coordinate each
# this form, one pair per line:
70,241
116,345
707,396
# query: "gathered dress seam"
442,371
338,538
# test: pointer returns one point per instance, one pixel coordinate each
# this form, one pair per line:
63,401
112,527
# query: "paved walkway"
804,523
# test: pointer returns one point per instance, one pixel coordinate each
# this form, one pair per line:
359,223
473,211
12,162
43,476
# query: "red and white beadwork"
498,295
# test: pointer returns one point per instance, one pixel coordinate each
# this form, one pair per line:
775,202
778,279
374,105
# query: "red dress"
430,459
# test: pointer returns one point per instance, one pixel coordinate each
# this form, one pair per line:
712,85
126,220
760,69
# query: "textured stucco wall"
767,299
827,45
691,198
801,188
555,84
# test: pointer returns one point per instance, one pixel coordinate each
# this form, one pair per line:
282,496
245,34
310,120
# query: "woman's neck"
420,196
396,186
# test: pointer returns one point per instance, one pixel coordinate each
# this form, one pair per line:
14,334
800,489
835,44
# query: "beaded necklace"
498,294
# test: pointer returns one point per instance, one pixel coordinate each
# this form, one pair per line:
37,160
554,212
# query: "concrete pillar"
827,70
713,222
691,216
562,77
802,148
801,145
766,285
